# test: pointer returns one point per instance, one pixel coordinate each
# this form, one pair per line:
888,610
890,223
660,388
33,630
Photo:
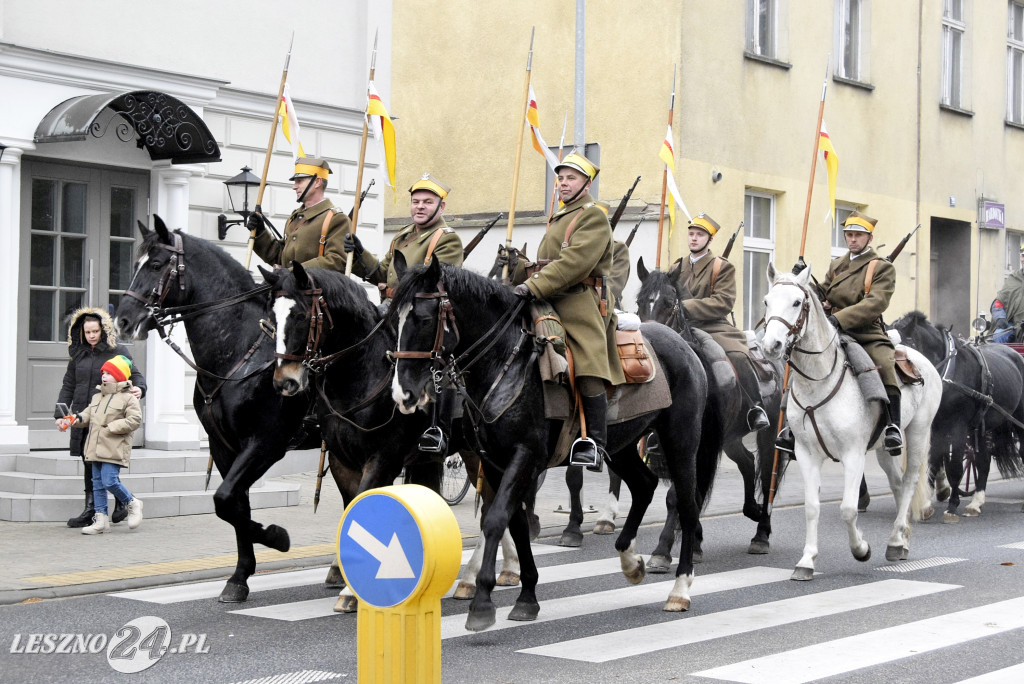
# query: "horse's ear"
301,277
673,274
434,269
161,229
398,261
771,273
269,277
143,229
641,270
804,277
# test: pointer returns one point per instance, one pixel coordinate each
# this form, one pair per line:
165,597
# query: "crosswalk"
862,645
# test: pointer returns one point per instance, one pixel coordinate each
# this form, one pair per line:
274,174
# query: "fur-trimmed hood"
76,321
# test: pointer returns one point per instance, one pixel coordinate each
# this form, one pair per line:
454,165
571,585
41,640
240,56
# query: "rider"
427,236
858,313
575,257
1008,308
712,280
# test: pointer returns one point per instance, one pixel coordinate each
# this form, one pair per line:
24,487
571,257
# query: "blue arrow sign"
381,550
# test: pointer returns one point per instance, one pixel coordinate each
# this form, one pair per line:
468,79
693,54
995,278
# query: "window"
1014,243
843,212
758,252
953,43
58,279
848,48
761,27
1015,64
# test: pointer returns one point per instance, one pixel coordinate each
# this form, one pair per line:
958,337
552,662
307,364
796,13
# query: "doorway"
950,252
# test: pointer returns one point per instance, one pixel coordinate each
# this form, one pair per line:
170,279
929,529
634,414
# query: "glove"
507,257
799,266
254,223
521,290
835,322
352,244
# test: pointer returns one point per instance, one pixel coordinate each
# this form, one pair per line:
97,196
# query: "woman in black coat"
91,343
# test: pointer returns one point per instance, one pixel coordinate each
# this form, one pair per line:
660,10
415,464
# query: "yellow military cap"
576,160
431,184
705,223
311,166
860,222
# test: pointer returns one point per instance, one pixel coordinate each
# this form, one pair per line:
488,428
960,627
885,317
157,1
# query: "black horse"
180,277
659,300
973,376
456,324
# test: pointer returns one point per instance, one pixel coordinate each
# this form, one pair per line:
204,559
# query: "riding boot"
436,438
307,435
893,435
84,519
757,418
785,442
583,453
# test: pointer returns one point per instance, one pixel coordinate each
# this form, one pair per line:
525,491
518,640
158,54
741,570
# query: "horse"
455,325
659,299
179,277
975,378
830,417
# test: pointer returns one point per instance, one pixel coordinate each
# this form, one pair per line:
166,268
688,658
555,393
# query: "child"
115,415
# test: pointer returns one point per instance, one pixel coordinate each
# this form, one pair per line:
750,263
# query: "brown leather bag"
636,363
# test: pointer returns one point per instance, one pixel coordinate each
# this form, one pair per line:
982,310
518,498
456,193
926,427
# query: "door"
78,228
950,250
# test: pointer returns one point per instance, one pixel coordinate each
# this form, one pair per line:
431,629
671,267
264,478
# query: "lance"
263,178
362,153
814,164
554,185
320,472
903,243
728,246
775,461
664,175
622,205
519,156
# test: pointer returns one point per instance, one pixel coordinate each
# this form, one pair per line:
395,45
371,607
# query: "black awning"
165,126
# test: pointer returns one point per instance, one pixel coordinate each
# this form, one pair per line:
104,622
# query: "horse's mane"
225,263
458,281
341,292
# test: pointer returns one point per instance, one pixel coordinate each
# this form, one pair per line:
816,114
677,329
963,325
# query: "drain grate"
920,564
300,677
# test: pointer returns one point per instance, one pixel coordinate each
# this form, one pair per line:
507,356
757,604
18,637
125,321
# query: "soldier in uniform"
315,232
712,281
859,314
1008,308
426,237
575,257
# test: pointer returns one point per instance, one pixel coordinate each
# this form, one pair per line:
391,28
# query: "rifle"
903,243
362,196
728,245
480,235
622,205
632,233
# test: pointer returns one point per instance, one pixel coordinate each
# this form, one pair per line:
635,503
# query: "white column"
167,425
13,437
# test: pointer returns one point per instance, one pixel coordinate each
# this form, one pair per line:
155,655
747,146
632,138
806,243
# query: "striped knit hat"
120,367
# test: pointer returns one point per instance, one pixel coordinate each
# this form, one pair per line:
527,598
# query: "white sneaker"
100,524
134,513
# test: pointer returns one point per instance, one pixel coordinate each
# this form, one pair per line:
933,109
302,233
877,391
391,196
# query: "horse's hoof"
233,593
465,590
334,579
604,527
928,512
757,547
906,553
508,579
479,620
950,518
972,512
524,612
571,539
862,503
659,565
866,557
346,604
276,537
802,575
676,604
943,493
895,553
698,557
636,575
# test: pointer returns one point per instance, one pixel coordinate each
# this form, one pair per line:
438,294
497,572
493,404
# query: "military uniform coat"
707,310
1012,297
413,243
619,276
861,316
301,240
590,336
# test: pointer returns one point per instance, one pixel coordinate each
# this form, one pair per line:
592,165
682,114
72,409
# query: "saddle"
905,368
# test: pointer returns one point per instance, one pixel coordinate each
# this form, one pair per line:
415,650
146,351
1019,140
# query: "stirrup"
433,441
757,419
585,452
893,443
785,442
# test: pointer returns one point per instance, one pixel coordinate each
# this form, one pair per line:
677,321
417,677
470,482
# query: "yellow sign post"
400,549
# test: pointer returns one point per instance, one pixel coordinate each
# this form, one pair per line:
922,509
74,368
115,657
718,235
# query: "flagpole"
362,155
519,156
664,175
270,150
814,162
561,145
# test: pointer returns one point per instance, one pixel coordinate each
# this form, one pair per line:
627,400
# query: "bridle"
796,329
317,312
445,324
174,271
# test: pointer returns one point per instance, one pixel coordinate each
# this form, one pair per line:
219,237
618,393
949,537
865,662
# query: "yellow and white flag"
290,124
533,119
667,155
831,163
383,129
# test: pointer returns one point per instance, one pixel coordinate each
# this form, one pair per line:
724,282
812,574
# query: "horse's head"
159,280
290,322
917,332
788,307
659,298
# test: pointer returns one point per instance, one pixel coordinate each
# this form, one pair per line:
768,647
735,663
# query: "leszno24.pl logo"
138,645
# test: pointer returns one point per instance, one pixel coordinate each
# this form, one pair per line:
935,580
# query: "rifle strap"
572,224
433,243
323,231
716,268
869,275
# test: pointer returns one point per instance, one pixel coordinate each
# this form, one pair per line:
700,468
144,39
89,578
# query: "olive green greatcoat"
589,336
413,242
708,310
619,276
861,316
1012,297
301,240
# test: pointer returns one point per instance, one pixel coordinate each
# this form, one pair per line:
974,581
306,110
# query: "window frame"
1014,77
753,25
845,9
954,85
758,245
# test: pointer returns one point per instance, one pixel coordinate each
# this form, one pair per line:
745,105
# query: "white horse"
829,415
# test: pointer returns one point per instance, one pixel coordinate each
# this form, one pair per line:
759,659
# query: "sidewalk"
48,560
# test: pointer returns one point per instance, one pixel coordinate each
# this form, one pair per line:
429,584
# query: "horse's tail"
709,451
1007,456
